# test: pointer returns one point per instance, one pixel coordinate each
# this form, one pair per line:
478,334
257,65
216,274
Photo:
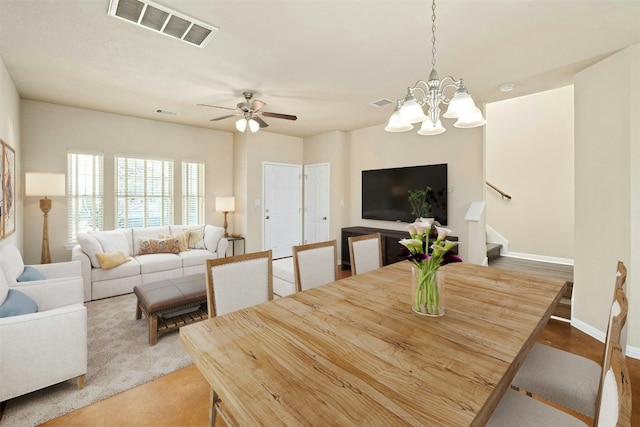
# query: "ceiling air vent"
380,103
163,20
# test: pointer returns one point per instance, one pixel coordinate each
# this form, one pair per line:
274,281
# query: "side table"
233,241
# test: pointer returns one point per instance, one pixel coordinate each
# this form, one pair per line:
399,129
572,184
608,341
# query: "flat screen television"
385,192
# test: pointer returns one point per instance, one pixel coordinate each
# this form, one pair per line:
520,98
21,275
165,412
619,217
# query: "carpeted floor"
119,359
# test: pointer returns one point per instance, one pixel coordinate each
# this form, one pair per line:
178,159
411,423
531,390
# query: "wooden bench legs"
153,323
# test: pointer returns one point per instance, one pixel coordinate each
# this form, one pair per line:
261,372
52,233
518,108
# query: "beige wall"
252,151
333,148
607,193
461,149
10,133
49,130
530,156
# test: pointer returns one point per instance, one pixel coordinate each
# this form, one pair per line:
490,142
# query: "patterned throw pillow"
183,240
196,238
159,246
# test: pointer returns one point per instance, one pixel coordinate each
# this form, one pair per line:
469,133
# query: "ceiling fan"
251,112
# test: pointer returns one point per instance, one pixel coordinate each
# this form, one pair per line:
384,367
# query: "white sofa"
151,267
49,346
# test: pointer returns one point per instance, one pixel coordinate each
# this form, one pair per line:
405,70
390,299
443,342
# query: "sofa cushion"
112,241
131,268
111,259
152,263
283,268
11,262
4,288
17,304
196,257
168,245
212,236
30,274
90,246
147,232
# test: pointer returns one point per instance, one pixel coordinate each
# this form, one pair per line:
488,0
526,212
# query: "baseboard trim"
631,351
533,257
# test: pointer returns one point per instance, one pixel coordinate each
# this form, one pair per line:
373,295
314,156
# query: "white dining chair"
238,282
365,253
568,379
315,264
613,394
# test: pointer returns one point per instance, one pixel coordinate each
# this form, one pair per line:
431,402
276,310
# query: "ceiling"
321,60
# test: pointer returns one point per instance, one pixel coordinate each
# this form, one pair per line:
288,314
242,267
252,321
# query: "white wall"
49,130
10,133
607,192
461,149
530,156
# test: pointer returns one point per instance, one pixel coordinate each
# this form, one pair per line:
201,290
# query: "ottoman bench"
172,303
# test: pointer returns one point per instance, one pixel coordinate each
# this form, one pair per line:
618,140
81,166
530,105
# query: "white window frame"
85,189
193,192
152,189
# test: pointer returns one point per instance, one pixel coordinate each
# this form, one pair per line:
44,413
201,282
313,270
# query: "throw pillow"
113,241
196,238
112,259
17,304
158,246
183,240
212,236
90,246
30,274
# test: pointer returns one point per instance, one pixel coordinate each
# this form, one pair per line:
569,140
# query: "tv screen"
385,192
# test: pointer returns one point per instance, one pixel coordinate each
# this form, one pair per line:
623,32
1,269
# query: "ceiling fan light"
253,126
428,128
241,125
460,104
471,120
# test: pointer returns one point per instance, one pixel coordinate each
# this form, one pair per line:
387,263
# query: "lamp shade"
460,104
428,128
241,125
225,204
411,111
44,184
253,126
471,120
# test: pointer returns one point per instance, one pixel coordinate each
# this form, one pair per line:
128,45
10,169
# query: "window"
192,193
144,192
85,209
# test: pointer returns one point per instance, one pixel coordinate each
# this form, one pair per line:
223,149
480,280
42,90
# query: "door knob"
267,217
324,218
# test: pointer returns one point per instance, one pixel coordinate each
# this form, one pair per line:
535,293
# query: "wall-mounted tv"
385,192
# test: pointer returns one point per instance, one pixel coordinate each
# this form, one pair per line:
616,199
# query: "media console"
391,249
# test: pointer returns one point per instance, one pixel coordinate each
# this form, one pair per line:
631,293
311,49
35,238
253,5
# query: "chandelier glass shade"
431,94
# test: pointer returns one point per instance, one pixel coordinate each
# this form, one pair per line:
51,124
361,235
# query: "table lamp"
225,205
44,185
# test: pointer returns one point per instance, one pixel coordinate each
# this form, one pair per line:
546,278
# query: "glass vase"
427,291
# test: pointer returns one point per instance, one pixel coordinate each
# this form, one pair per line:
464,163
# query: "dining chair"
614,403
567,379
315,264
237,282
365,253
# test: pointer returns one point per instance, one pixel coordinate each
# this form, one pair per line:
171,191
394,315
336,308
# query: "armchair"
44,348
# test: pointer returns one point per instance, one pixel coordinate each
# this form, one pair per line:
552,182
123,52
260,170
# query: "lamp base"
45,255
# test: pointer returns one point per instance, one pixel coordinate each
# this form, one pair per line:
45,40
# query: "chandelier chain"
433,34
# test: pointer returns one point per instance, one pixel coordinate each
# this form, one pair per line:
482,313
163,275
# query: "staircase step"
493,250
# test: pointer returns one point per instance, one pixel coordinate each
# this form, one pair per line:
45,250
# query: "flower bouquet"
427,298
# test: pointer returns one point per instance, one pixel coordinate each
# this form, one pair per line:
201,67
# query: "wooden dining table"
352,352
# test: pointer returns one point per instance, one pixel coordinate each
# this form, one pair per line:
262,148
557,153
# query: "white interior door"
282,214
316,202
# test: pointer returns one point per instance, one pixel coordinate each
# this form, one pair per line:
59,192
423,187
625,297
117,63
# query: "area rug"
119,358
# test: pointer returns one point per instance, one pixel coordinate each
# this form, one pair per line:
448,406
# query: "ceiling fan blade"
261,122
216,106
279,116
256,105
225,117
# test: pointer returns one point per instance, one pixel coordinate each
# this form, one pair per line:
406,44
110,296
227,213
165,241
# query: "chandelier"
409,110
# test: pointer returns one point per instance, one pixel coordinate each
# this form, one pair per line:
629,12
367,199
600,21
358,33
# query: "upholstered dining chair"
614,403
238,282
568,379
365,253
315,264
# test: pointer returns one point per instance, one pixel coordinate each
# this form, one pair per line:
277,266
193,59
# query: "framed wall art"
8,203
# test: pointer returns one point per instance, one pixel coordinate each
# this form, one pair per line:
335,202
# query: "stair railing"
499,191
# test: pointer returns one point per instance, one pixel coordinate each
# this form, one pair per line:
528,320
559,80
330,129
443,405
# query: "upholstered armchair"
49,346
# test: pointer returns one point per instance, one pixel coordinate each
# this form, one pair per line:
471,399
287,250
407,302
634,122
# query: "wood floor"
181,398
